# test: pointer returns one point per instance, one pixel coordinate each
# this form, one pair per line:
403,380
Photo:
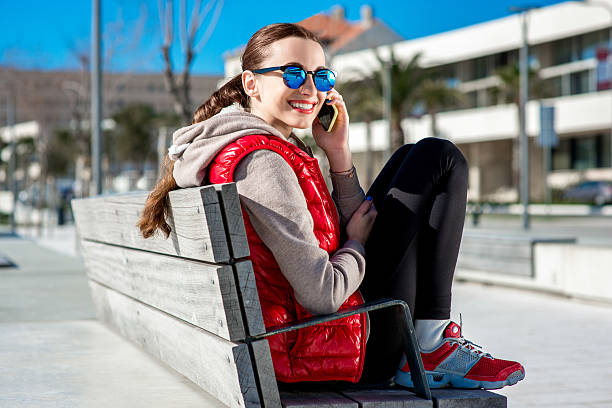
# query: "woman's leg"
411,253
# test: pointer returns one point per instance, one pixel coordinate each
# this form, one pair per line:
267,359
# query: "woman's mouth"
303,106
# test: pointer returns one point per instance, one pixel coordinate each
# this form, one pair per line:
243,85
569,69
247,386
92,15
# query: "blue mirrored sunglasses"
294,76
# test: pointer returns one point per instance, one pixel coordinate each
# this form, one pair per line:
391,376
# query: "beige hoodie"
271,195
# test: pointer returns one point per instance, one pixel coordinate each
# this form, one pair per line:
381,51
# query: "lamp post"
608,7
10,126
523,98
386,76
96,98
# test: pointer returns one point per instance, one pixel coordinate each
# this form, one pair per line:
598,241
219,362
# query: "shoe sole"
444,380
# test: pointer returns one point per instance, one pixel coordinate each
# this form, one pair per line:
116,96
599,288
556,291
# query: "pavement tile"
84,364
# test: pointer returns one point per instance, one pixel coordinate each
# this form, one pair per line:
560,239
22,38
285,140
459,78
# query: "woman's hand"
361,222
337,140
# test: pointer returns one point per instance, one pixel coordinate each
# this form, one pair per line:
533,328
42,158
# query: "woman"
313,253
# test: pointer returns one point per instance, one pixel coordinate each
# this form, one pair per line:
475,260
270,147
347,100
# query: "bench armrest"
410,344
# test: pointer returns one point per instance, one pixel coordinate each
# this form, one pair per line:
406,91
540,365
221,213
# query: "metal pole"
524,140
547,156
387,105
10,123
96,98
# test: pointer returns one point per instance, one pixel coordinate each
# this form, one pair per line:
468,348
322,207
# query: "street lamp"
96,98
523,98
10,126
608,7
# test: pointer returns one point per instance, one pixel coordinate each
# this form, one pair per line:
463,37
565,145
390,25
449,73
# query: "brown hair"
156,207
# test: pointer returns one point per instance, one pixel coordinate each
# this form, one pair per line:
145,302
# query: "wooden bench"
191,301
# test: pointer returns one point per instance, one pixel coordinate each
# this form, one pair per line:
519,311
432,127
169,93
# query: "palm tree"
406,81
411,85
364,105
508,92
436,95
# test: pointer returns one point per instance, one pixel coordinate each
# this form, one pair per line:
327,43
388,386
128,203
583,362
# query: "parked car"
596,192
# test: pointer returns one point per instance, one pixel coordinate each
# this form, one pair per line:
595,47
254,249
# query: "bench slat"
316,399
230,204
221,368
264,372
390,398
453,398
496,254
494,265
201,294
247,290
196,222
503,249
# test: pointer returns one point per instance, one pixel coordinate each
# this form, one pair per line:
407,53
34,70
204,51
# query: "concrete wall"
578,271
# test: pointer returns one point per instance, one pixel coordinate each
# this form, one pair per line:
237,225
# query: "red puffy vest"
325,352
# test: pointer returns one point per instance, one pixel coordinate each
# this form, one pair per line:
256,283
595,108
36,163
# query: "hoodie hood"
195,146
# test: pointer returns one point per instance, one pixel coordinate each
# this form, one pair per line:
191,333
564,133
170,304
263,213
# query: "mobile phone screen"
327,116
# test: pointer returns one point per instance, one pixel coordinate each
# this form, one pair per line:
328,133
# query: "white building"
563,41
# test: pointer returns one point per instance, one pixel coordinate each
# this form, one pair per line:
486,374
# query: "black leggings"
411,254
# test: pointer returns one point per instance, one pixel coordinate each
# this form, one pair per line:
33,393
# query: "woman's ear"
249,84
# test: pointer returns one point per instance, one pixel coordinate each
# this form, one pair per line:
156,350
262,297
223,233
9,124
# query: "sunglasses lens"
324,80
294,77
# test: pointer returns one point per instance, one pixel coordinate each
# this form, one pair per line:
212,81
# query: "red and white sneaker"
459,363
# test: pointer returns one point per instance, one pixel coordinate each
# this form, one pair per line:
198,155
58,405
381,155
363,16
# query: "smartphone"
327,116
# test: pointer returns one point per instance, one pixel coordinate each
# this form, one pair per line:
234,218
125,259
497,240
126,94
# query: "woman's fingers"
367,209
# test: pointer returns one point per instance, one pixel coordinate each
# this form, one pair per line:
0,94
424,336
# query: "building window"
579,47
562,51
554,86
579,82
471,99
501,60
592,41
480,68
582,153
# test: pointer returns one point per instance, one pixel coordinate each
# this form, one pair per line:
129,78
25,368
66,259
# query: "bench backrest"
189,300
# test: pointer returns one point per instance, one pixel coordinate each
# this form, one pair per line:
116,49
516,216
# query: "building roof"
340,35
337,34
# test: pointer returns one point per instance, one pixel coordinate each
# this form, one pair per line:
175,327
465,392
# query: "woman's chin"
301,124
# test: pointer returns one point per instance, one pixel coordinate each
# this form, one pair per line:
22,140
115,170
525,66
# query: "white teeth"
302,105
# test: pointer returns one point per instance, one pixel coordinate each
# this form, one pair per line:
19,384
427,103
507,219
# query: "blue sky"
48,34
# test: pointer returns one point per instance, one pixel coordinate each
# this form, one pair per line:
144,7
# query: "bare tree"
191,46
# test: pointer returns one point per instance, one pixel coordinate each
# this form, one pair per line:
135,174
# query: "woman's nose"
308,87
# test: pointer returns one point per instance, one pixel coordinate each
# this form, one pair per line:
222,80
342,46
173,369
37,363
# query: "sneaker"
459,363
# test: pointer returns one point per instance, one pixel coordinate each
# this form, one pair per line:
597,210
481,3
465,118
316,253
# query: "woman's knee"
402,151
445,149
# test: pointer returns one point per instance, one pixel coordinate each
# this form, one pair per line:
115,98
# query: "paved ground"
53,353
565,345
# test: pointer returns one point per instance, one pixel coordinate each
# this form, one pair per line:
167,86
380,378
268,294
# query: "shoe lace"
467,344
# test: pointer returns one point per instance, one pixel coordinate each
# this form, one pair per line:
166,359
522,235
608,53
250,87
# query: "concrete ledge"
583,272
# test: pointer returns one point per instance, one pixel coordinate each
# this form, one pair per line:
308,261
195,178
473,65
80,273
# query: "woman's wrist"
344,172
340,161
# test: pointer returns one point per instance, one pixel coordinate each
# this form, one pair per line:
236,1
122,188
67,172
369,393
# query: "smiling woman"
315,253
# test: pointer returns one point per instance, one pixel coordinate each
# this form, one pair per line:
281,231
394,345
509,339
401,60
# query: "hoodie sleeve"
348,196
271,196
